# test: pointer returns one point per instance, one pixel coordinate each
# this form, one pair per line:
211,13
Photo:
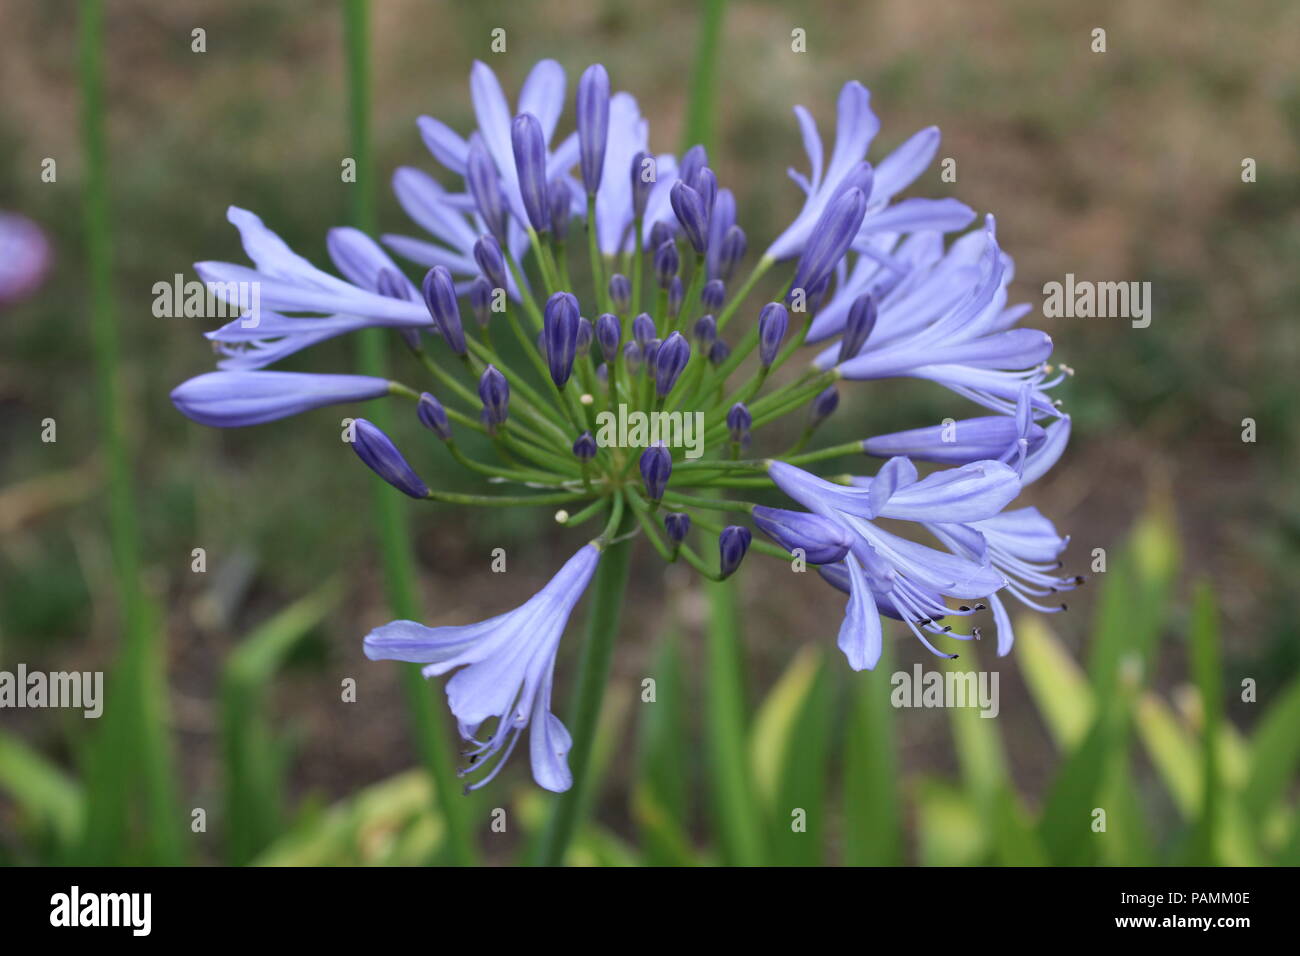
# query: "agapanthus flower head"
885,288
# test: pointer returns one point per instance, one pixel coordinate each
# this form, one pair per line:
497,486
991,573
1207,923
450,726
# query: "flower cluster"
871,278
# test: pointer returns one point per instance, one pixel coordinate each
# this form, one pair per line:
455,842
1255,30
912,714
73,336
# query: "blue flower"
856,127
877,274
910,576
954,330
506,669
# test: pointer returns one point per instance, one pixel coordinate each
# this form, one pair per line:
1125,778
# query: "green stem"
593,674
704,78
428,722
133,743
735,810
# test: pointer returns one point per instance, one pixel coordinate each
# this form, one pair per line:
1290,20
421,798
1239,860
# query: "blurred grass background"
1117,166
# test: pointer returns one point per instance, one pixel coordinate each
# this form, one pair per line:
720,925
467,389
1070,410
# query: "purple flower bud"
487,253
678,525
656,469
732,251
693,160
494,391
643,329
666,262
620,290
480,299
739,423
530,163
602,373
719,352
660,233
584,449
706,184
593,124
713,295
235,399
689,207
433,416
816,294
650,352
822,541
382,457
440,299
676,292
485,187
858,326
773,322
824,405
830,238
560,333
669,363
586,332
561,210
733,543
643,181
706,332
632,357
609,332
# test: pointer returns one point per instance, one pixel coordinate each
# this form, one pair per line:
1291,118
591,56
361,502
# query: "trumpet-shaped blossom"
504,672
